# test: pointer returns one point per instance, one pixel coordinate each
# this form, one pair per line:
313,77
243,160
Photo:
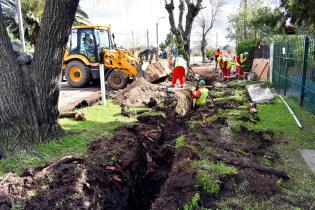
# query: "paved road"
70,97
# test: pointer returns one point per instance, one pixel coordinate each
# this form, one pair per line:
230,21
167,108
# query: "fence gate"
293,73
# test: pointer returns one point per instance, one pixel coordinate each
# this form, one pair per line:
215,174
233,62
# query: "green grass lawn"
289,140
100,122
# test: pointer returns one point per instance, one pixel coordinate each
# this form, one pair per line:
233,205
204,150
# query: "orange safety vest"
217,52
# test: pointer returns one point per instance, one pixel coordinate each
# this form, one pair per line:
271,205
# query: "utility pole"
244,9
148,43
133,43
216,40
20,19
157,35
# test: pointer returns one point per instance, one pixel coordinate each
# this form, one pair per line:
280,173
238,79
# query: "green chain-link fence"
294,70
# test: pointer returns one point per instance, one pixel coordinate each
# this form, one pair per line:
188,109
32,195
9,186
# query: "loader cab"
90,46
90,42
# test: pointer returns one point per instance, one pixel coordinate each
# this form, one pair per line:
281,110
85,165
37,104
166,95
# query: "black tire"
81,77
117,80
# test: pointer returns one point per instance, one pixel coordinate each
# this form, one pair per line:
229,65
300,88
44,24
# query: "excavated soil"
125,172
142,168
139,92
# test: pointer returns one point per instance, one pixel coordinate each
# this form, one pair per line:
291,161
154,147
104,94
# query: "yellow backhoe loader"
90,46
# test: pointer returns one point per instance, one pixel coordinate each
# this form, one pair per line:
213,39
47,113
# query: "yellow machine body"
81,63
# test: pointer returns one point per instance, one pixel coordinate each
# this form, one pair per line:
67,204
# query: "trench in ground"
162,152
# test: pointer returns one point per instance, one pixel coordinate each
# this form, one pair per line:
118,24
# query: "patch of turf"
208,182
289,139
193,204
100,122
218,169
181,141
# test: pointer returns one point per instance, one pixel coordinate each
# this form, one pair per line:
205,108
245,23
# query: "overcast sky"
138,16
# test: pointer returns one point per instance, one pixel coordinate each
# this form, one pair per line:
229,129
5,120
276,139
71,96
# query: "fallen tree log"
79,116
87,102
244,162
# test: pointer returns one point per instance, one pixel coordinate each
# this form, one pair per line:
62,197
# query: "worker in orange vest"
225,65
216,54
240,61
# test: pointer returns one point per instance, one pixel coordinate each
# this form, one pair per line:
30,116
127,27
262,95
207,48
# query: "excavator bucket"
156,71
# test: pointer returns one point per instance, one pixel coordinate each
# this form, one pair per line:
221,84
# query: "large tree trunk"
203,48
29,94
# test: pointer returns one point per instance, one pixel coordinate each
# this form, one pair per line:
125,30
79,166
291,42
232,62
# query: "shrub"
247,46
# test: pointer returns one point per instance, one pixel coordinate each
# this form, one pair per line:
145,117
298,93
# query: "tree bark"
183,36
29,94
203,48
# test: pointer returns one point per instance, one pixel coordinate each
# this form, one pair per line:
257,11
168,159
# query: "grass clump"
193,204
209,174
217,169
193,124
181,141
208,182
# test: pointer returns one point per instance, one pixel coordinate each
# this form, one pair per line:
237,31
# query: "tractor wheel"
78,74
117,80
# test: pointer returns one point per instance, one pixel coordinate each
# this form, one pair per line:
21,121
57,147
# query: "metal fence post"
279,70
286,68
305,57
271,62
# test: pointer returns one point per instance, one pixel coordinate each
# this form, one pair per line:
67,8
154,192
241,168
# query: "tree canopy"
300,13
32,12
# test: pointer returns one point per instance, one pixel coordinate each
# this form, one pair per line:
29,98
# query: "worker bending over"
200,94
240,62
180,70
225,65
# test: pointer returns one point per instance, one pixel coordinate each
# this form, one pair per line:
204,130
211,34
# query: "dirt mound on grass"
139,92
105,178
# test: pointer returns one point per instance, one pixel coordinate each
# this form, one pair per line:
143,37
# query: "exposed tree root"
244,162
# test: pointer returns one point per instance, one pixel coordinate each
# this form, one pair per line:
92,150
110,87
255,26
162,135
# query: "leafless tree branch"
206,23
181,8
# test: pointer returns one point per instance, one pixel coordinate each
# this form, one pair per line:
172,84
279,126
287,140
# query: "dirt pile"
139,92
125,172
